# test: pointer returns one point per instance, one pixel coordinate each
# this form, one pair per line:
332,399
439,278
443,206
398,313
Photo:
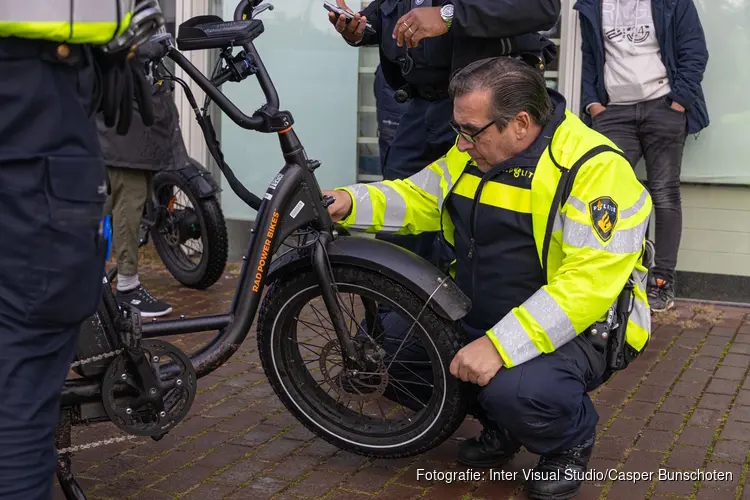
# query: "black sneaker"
660,295
148,305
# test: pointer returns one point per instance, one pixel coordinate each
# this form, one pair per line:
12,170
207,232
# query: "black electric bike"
146,386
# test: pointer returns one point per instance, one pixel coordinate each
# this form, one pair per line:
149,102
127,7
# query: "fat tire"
213,232
447,337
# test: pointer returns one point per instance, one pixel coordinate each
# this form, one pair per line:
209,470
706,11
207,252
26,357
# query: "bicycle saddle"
212,32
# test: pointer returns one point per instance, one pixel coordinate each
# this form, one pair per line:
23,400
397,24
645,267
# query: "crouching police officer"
52,191
422,42
548,222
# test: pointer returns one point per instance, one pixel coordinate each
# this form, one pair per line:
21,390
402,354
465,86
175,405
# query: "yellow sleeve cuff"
507,363
349,220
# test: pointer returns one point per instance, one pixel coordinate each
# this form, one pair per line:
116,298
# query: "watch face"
447,10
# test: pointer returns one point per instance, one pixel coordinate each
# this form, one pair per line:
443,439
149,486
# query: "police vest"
94,22
597,238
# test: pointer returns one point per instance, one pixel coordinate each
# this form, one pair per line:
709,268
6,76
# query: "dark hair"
515,85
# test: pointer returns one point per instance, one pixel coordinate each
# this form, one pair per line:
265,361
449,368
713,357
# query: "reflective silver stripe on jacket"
428,181
65,11
363,218
641,315
514,339
395,207
551,318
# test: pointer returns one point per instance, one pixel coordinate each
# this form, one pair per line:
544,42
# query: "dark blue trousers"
388,111
543,403
52,180
423,135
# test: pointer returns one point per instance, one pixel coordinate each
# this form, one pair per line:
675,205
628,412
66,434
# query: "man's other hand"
342,205
477,362
354,30
425,22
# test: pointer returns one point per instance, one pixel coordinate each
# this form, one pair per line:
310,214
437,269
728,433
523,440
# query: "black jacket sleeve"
373,18
503,18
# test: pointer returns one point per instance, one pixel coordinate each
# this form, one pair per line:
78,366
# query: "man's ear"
522,124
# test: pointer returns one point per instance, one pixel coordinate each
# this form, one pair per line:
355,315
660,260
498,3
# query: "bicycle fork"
329,292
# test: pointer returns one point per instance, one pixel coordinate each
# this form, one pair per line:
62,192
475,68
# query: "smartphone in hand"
332,7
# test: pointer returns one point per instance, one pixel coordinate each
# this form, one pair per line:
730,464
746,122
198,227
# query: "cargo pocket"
69,251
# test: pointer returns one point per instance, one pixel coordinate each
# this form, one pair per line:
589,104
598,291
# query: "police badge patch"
604,215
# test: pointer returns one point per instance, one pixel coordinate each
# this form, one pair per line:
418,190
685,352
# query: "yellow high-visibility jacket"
95,22
597,241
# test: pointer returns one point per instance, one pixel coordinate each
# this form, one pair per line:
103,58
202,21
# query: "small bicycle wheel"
191,237
404,402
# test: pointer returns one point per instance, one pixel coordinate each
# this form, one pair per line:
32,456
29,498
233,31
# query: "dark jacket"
157,147
683,51
480,29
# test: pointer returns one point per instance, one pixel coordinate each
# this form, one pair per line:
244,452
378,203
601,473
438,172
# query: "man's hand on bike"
354,30
342,205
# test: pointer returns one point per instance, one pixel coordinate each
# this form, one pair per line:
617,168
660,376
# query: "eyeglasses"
469,137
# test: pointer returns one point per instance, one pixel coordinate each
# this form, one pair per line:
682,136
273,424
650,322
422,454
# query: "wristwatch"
446,12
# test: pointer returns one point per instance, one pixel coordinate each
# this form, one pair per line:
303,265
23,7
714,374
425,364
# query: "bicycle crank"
155,411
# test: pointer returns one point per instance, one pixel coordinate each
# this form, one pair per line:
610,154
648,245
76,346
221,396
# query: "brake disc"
353,386
121,391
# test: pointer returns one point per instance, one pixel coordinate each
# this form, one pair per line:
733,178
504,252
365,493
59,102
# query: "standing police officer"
453,33
52,191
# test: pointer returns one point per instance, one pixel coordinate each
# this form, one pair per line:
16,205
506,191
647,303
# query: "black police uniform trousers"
543,404
52,192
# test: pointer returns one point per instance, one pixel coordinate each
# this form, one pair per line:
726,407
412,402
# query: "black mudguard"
394,262
200,180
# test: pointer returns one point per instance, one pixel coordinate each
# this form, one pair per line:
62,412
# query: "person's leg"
130,190
388,113
620,125
663,131
544,405
52,194
404,158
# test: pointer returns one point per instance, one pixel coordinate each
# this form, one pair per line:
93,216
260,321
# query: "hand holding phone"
352,26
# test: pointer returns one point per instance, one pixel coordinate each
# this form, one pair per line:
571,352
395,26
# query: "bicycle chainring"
121,391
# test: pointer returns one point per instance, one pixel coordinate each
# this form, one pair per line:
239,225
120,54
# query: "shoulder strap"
562,193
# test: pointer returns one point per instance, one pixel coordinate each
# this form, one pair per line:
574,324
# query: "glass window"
316,75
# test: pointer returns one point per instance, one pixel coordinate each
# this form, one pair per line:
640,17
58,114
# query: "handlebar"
257,122
266,119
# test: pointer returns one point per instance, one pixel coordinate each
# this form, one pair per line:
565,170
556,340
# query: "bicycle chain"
98,357
102,442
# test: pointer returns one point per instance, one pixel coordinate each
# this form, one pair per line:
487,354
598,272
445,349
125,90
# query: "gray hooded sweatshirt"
633,70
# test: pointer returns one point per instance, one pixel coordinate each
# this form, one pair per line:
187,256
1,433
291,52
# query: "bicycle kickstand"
70,487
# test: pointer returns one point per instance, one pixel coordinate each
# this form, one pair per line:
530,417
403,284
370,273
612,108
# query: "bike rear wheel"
328,412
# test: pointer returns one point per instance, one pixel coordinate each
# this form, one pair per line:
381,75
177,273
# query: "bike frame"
292,201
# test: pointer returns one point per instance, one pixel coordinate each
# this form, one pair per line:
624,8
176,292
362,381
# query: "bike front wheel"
405,402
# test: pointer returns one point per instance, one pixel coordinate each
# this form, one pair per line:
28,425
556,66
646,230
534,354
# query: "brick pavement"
685,405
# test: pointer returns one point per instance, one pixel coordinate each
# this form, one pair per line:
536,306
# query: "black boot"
492,448
559,476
